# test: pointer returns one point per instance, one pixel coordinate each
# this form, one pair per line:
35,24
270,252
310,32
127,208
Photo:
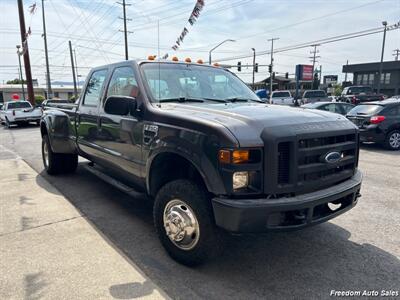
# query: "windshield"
366,109
359,90
280,95
168,81
314,94
14,105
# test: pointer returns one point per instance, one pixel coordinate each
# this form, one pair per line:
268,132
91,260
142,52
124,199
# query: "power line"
321,42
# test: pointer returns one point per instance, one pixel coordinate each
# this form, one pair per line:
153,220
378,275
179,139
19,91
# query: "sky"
94,27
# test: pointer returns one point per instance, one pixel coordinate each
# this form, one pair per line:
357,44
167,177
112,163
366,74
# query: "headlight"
240,180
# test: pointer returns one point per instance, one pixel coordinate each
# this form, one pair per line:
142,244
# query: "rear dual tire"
57,163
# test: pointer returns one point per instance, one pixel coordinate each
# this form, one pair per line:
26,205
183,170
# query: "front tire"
57,163
184,223
392,141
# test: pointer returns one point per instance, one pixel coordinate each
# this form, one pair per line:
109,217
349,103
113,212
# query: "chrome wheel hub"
394,140
46,154
181,225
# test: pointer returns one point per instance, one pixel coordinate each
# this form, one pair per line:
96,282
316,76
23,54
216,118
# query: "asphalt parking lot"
359,250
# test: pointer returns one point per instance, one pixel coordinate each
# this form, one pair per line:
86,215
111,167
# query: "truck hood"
248,121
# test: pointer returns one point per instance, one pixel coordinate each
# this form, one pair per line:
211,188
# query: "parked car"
263,94
378,122
359,93
199,143
282,98
19,112
314,96
332,98
335,107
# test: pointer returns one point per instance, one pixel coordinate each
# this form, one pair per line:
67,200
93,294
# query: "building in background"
61,92
368,73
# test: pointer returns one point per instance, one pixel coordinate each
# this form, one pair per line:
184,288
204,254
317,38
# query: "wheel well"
43,129
167,167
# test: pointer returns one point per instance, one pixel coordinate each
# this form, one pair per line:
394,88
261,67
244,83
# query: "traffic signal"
273,75
256,67
239,66
269,68
287,75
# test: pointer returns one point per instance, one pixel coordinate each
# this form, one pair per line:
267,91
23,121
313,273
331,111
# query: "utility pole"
397,52
272,67
20,71
73,70
46,54
124,4
345,74
76,70
25,51
384,23
314,57
254,64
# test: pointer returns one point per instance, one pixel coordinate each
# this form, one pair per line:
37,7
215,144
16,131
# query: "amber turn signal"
224,156
240,156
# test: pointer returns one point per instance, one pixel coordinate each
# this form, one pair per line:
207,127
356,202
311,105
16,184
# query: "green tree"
39,99
338,89
16,81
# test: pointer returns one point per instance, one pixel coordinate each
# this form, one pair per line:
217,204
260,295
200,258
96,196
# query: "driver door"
120,137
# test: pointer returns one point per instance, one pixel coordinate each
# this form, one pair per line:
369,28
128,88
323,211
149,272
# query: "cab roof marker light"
175,58
188,60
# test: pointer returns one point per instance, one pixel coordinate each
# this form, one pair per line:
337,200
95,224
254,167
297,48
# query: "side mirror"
120,105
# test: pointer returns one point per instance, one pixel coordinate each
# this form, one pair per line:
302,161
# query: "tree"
39,99
16,81
338,89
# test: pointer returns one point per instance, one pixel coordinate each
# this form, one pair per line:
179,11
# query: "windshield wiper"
181,99
238,99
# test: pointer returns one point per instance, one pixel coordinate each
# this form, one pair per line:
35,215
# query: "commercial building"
368,74
61,92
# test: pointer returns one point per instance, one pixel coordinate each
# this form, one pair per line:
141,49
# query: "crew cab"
199,143
19,112
314,96
379,122
359,94
282,98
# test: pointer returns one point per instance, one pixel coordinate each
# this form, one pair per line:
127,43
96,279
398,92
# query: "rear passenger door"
87,116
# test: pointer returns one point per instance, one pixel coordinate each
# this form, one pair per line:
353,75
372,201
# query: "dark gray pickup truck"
196,140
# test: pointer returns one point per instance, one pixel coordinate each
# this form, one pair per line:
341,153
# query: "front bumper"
261,215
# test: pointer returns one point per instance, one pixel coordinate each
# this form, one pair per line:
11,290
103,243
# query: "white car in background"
19,112
282,98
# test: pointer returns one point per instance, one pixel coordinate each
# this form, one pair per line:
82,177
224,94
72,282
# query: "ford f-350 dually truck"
213,158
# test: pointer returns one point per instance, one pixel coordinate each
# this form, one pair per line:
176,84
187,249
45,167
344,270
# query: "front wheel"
392,141
184,223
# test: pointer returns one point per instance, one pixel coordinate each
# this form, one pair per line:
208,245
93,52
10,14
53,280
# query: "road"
359,250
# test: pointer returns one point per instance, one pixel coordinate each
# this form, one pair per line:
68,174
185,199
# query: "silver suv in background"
314,96
282,98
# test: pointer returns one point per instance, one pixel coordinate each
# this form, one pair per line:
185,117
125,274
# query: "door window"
123,83
347,108
94,88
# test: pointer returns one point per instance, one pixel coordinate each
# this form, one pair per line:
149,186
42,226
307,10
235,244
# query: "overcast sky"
93,27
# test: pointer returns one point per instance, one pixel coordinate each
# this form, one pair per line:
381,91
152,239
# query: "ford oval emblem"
333,157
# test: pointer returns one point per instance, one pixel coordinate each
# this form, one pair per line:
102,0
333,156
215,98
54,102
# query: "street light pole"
20,71
46,54
272,66
209,53
254,63
384,23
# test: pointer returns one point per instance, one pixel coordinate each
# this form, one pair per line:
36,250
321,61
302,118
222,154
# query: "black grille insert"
283,162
